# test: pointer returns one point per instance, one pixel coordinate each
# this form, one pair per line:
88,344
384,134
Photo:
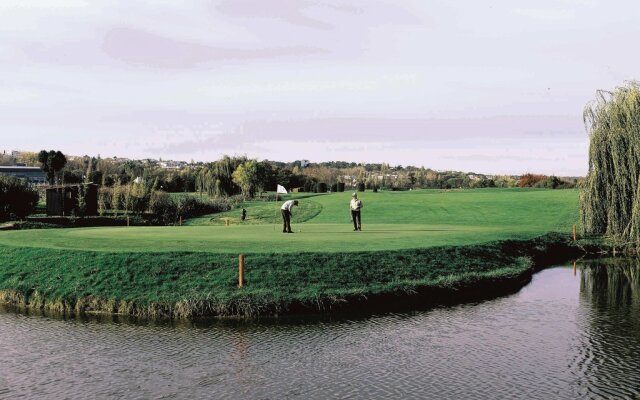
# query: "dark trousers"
286,220
355,217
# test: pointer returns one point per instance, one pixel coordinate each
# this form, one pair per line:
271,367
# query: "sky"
495,87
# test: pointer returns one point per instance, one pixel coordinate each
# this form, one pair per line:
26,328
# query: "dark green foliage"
340,187
288,179
189,206
321,187
217,178
168,210
360,187
163,207
550,182
17,197
71,177
87,221
51,162
95,177
309,186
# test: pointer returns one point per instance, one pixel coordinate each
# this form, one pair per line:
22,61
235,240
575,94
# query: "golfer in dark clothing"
355,206
286,215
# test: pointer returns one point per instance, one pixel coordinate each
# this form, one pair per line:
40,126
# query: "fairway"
391,220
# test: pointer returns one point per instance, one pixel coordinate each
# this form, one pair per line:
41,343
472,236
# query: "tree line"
137,186
239,175
233,175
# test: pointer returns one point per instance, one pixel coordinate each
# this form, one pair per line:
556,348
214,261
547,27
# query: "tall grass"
610,199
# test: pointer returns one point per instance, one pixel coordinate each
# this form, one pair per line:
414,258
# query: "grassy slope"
391,220
191,284
197,265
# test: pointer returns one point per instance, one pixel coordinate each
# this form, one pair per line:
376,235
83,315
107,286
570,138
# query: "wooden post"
241,270
181,220
574,268
574,232
127,220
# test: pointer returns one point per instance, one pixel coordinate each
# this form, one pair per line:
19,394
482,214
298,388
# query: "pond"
565,335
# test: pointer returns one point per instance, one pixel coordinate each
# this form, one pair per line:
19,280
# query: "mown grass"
410,240
259,213
391,220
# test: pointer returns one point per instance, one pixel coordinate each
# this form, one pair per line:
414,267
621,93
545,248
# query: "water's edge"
541,253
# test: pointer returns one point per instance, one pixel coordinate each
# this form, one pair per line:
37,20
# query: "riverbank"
189,285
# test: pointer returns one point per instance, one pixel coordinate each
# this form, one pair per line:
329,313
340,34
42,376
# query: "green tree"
246,177
51,162
115,197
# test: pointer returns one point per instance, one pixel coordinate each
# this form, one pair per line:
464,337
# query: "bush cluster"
544,181
168,210
17,198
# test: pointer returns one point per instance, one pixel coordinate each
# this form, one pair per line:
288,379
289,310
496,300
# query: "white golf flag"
281,189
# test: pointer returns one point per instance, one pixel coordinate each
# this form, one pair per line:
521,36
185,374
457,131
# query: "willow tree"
246,177
216,179
610,199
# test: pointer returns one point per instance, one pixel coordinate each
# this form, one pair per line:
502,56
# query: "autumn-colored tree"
530,180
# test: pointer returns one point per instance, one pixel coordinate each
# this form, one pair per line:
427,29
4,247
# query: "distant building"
31,174
172,164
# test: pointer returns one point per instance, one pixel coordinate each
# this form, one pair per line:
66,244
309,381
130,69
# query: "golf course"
391,221
411,242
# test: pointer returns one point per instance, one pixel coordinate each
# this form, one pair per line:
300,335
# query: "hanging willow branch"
610,199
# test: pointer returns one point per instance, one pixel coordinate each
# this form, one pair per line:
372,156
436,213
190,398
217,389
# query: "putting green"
391,220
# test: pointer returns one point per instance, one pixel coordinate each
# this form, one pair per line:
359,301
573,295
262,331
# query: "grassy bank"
191,284
414,245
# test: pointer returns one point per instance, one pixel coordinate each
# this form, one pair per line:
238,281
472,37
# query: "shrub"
309,186
163,207
138,198
530,180
550,182
360,187
321,187
189,207
17,197
334,187
340,187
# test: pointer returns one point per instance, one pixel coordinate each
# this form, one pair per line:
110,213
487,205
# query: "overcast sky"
486,86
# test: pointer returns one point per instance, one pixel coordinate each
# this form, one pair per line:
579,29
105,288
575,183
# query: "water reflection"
607,357
560,337
612,284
